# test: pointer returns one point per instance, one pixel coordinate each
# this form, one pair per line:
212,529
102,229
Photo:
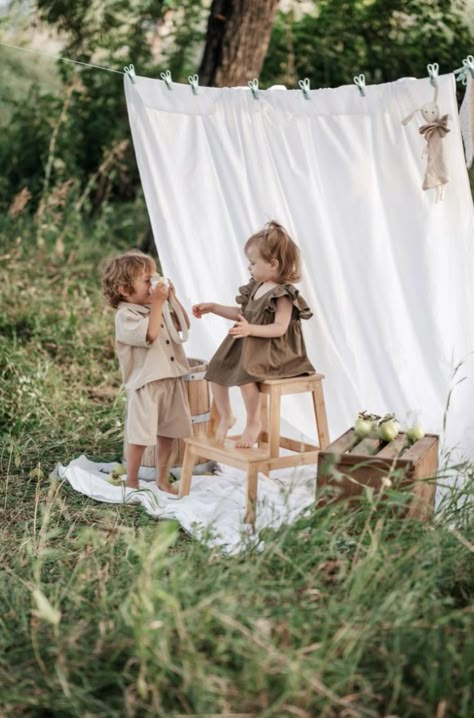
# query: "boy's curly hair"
274,242
122,271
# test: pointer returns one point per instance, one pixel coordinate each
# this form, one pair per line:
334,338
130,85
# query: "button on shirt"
140,361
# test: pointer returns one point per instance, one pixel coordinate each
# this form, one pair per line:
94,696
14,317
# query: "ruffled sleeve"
244,293
300,307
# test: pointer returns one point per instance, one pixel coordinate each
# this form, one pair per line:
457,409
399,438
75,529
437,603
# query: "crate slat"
344,443
366,447
420,447
394,448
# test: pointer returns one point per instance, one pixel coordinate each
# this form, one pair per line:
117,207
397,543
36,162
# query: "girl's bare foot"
225,424
166,486
250,435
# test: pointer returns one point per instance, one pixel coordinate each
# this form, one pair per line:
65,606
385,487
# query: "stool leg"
274,438
320,415
263,436
187,471
213,420
251,499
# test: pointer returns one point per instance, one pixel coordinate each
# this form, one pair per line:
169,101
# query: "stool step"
226,452
287,443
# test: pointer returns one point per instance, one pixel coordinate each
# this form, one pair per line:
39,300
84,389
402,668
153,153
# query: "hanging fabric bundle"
434,129
436,172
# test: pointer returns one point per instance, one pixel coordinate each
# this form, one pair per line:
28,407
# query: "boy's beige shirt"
140,361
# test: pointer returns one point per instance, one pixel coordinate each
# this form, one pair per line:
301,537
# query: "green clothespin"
194,82
360,82
305,87
433,73
466,70
253,84
130,71
166,77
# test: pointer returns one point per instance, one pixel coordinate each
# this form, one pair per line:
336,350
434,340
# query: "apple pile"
385,428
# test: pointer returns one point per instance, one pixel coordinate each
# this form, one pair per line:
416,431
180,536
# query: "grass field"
106,612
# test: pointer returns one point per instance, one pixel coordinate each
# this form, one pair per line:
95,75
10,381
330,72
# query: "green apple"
415,432
363,425
119,470
388,428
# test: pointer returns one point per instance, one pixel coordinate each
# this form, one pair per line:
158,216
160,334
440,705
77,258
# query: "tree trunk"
238,33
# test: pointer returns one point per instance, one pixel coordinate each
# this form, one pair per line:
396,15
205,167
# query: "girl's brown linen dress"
252,359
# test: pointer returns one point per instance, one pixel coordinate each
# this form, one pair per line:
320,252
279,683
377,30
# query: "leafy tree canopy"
384,39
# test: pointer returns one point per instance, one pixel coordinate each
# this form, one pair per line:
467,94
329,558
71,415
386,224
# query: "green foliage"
113,34
384,39
89,113
24,155
19,72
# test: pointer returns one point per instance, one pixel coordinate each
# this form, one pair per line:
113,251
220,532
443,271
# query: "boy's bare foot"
132,485
166,486
250,435
225,424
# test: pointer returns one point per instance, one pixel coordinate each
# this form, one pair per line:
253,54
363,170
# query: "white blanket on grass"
214,510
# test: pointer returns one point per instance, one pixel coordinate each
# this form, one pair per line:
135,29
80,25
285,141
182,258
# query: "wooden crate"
349,464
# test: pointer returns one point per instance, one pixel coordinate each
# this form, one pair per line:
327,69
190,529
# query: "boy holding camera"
151,361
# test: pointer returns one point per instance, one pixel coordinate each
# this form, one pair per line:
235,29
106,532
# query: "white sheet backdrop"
388,271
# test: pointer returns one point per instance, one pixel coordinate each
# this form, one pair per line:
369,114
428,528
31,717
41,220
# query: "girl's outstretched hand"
203,308
241,328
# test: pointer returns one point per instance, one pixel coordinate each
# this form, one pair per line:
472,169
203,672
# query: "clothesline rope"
59,57
461,72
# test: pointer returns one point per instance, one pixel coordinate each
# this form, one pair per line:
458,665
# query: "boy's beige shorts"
160,408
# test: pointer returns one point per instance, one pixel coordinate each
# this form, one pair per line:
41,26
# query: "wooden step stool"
266,457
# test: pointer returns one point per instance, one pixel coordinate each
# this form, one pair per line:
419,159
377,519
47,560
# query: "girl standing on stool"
266,341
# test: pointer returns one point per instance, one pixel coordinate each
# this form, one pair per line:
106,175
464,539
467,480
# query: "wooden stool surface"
292,379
